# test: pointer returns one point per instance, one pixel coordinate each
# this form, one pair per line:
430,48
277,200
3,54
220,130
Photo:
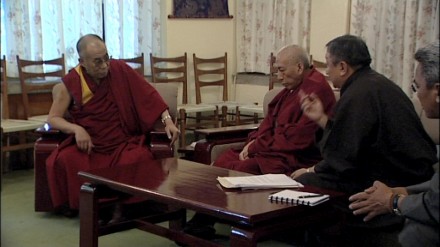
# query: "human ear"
300,67
343,68
437,88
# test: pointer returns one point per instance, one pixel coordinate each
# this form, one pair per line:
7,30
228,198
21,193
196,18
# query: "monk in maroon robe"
112,108
285,139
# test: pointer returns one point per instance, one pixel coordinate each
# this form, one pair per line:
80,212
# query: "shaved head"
85,40
294,54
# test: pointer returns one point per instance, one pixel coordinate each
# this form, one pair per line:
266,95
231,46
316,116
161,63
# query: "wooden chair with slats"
36,76
13,127
137,63
175,70
273,73
209,72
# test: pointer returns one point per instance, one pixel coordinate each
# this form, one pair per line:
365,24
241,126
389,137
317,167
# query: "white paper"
259,181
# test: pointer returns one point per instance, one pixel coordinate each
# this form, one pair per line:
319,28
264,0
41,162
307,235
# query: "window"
44,29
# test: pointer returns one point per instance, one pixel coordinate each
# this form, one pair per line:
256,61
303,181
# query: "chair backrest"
171,70
268,97
169,92
319,65
38,75
4,82
211,72
273,72
137,63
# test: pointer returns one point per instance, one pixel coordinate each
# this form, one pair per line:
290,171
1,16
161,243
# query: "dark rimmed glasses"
97,62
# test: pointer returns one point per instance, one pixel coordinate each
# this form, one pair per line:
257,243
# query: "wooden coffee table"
185,185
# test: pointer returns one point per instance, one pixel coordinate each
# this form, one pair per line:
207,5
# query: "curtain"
266,26
133,27
393,31
44,29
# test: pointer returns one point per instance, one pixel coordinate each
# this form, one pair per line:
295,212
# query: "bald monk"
285,139
112,108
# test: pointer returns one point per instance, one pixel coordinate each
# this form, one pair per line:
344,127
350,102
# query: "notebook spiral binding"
286,200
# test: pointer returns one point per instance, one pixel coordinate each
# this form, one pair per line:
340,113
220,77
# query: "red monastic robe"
123,108
285,139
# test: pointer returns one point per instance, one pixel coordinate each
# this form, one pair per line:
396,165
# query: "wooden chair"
13,127
174,70
257,110
36,76
273,72
50,139
209,72
137,63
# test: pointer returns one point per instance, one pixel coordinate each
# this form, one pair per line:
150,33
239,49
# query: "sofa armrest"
50,135
218,140
47,142
160,144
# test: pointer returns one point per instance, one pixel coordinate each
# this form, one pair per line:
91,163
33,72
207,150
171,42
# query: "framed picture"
200,9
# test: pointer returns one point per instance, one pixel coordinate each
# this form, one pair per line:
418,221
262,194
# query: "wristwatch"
165,118
396,209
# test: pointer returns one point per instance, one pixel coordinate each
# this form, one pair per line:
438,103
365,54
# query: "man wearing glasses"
112,108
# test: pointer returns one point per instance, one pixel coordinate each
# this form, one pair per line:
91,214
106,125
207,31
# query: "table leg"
179,223
243,238
88,212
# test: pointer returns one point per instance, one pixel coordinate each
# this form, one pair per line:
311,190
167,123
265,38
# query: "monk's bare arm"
61,101
171,129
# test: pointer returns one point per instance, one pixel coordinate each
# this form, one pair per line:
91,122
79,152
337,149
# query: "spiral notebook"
298,197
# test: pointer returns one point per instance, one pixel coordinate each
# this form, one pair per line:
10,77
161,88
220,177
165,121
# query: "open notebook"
298,197
266,181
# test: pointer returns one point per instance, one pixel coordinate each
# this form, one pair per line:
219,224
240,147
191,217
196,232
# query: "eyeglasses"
97,62
414,86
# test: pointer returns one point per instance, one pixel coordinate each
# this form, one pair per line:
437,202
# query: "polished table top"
194,186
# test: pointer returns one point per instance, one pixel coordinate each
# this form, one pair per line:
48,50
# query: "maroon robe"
285,139
124,108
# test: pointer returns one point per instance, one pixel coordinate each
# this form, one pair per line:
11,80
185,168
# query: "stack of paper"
266,181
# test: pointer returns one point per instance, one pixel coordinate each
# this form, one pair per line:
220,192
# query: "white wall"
329,19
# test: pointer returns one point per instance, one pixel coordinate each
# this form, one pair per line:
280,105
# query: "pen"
310,196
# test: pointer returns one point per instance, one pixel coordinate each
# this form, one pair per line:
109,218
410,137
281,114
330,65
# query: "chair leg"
216,118
237,116
182,139
224,116
5,153
255,118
